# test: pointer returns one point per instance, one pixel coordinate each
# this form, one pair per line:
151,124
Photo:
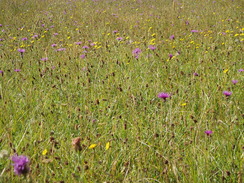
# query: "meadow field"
132,91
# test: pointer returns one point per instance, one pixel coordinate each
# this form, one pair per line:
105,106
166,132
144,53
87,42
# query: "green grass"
110,96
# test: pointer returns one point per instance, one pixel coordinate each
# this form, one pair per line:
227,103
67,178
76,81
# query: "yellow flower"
183,104
107,145
226,70
44,152
92,146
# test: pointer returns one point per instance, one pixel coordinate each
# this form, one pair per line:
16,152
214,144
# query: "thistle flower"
54,45
196,74
24,38
240,70
21,164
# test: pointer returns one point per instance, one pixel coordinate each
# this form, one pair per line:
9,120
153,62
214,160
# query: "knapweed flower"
54,45
61,49
85,47
55,34
21,50
208,132
92,44
21,164
119,38
196,74
44,59
115,31
1,71
83,56
17,70
234,81
194,31
172,37
151,47
163,95
35,36
24,38
136,52
227,93
240,70
78,43
170,56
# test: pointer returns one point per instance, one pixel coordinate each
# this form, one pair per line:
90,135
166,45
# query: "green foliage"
109,95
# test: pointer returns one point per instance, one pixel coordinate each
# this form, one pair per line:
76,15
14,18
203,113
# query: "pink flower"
208,132
227,93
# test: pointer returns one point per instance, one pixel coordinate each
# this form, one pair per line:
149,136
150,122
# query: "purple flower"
1,25
1,39
92,44
55,34
78,43
17,70
44,59
21,50
234,81
163,95
1,71
61,49
119,38
208,132
240,70
115,31
54,45
196,74
35,36
85,47
194,30
136,52
24,38
227,93
170,56
172,37
187,22
21,164
151,47
83,56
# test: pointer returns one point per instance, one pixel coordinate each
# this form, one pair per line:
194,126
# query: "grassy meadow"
110,91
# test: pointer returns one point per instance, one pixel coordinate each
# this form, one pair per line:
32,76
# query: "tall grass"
57,89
